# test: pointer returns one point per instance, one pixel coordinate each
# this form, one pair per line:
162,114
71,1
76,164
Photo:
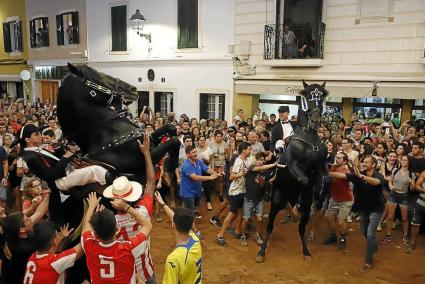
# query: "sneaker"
387,239
410,248
200,235
215,221
349,219
405,240
379,228
209,206
158,219
330,240
220,241
367,267
342,244
258,239
197,215
244,243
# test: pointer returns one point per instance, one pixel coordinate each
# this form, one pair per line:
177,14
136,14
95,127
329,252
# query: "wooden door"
49,91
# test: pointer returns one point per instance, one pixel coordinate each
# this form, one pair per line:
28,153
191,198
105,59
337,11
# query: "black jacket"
44,166
277,131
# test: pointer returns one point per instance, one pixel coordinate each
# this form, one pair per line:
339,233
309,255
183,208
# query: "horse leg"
272,216
301,227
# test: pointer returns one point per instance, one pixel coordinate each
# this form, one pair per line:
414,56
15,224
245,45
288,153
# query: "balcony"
296,47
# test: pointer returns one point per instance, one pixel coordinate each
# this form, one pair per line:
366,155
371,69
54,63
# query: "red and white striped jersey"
49,268
128,227
113,262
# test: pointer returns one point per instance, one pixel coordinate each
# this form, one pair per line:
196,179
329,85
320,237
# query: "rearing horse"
306,172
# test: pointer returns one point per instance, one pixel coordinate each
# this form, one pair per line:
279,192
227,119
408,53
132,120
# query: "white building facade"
359,47
180,64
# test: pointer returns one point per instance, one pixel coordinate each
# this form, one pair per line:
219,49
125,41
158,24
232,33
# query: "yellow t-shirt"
184,264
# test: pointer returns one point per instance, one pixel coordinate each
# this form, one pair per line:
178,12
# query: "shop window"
12,36
39,32
211,106
119,28
67,29
187,24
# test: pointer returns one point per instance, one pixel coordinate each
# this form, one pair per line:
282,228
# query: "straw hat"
123,188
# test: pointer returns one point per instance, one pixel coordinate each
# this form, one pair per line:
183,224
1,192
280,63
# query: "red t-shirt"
49,268
114,262
127,229
340,188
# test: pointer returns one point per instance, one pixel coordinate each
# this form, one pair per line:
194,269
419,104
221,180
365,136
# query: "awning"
338,89
10,78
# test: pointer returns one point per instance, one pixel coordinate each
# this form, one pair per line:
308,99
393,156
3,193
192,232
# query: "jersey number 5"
109,267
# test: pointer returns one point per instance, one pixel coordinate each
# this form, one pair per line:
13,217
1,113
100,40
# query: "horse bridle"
93,87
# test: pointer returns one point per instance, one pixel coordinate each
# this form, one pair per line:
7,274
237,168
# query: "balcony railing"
304,43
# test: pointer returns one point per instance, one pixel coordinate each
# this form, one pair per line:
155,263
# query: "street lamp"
137,22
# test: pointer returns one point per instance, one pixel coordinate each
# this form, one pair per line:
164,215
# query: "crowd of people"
377,167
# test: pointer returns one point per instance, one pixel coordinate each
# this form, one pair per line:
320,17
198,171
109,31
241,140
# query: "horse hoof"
308,258
259,258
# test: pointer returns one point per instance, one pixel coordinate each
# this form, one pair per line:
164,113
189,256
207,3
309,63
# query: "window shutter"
59,30
20,46
119,28
32,34
6,38
187,24
46,29
75,29
203,99
157,102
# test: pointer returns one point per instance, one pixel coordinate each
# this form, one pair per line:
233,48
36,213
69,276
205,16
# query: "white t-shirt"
238,185
205,154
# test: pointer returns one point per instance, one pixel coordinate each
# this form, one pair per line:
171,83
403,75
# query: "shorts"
342,209
418,215
190,203
3,193
249,206
399,198
236,202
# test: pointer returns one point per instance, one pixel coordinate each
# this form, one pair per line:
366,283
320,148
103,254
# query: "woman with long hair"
400,150
401,180
195,134
386,170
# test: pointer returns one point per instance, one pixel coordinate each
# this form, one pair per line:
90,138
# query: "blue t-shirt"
3,157
188,186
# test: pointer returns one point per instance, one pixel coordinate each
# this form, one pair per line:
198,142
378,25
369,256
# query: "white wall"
215,26
208,68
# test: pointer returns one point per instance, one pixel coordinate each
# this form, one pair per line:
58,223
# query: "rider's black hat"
26,132
283,109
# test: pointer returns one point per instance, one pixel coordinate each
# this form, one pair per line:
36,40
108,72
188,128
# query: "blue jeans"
368,223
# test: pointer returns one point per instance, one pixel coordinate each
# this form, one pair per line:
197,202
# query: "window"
163,102
187,22
418,109
119,28
67,28
211,106
39,32
298,33
376,107
12,36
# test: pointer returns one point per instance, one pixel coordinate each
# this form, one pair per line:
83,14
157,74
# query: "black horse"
306,173
103,134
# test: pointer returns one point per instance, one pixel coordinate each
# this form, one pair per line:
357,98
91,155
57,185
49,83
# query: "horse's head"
103,89
313,99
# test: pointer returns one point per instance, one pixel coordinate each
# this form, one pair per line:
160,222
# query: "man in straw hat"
125,193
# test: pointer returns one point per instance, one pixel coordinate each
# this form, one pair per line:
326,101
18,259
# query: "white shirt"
287,130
